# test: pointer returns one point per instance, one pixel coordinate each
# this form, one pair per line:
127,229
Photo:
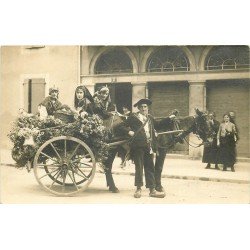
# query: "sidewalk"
175,167
194,170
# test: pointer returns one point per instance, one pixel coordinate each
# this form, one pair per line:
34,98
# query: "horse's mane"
185,122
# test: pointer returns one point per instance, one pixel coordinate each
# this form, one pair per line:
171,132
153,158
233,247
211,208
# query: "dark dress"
85,105
103,109
227,149
51,105
210,152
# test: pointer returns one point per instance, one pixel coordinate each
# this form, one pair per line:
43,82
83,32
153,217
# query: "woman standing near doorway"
226,139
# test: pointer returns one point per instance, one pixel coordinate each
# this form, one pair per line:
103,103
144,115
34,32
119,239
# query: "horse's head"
202,125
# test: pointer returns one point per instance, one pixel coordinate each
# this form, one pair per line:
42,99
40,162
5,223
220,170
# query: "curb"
185,177
180,177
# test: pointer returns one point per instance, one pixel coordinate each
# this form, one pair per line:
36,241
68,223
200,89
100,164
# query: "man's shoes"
114,189
208,166
216,167
156,194
232,169
160,189
137,193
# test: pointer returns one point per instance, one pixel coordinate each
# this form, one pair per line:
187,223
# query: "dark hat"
143,101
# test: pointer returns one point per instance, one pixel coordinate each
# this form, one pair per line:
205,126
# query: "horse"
197,124
116,143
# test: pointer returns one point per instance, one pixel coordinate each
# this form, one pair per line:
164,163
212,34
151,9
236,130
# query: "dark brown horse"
197,124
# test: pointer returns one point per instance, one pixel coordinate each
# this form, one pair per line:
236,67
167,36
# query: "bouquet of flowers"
29,127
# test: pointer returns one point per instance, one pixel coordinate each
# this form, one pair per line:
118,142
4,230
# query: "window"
168,59
114,61
34,93
228,57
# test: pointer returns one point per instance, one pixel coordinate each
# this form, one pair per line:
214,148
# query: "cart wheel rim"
68,170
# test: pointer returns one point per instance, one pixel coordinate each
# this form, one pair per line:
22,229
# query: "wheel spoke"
55,178
83,156
73,181
65,148
63,186
82,163
49,157
55,151
83,175
49,173
49,165
78,145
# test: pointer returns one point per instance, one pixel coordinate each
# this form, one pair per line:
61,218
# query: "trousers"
143,161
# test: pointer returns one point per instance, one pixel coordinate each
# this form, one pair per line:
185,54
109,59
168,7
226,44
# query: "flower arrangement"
90,130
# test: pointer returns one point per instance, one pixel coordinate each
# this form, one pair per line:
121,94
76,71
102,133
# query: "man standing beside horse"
140,127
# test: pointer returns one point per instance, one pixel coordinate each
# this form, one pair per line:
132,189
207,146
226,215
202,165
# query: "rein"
194,144
177,128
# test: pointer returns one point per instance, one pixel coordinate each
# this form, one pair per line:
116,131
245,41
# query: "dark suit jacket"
50,105
140,140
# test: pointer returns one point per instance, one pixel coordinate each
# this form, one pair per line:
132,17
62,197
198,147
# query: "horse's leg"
159,162
108,170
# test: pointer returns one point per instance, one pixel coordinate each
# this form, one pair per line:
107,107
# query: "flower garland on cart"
29,132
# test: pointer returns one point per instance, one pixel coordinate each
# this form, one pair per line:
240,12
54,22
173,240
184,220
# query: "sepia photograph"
125,124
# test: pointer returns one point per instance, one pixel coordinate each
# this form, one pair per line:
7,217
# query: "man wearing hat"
140,127
50,104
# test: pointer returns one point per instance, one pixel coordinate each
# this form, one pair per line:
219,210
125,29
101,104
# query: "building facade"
214,78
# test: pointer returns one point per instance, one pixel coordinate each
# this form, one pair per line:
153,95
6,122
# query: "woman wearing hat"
83,101
103,106
50,104
141,127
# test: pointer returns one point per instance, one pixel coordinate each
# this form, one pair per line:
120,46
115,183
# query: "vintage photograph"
165,124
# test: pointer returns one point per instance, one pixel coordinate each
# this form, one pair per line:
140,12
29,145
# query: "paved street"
18,186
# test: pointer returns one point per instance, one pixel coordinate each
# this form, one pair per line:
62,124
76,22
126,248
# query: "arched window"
168,59
228,57
113,61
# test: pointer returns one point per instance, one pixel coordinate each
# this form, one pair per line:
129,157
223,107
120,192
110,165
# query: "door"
34,93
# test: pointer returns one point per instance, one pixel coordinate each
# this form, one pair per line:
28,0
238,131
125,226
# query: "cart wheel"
64,166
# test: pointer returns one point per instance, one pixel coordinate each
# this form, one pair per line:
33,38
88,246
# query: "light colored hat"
104,89
53,89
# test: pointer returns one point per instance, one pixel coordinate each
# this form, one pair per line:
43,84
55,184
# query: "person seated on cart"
83,101
50,104
102,103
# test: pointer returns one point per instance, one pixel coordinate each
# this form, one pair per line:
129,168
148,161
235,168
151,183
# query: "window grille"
168,59
228,57
114,61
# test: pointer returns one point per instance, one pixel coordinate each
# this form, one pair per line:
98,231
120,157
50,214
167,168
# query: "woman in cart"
83,101
103,105
50,104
